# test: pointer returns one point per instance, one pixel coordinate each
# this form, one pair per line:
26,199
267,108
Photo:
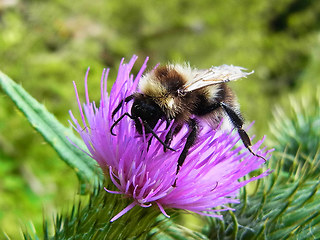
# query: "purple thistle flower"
209,178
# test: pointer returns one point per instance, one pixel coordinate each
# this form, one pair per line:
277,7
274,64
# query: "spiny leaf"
53,132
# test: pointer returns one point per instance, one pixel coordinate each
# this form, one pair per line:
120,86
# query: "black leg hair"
237,121
127,99
193,133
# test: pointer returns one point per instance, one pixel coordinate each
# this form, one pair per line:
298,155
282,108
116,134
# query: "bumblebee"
187,96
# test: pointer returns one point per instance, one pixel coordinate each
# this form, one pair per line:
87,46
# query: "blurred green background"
45,45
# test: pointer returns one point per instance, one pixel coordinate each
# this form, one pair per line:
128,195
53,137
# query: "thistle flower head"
209,178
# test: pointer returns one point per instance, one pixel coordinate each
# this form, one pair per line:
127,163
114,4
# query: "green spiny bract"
286,204
92,221
282,206
298,129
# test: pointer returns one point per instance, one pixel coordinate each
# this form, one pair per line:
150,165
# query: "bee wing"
214,75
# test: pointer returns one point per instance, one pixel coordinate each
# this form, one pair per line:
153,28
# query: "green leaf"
54,133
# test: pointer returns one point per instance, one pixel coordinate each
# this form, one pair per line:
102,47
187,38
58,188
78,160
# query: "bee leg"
193,133
117,121
149,143
169,135
168,139
127,99
237,121
173,131
150,130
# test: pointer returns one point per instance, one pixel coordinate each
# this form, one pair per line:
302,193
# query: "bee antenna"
117,121
127,99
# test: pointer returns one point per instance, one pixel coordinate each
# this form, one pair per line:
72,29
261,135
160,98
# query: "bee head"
146,110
